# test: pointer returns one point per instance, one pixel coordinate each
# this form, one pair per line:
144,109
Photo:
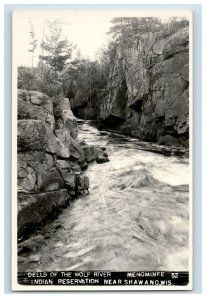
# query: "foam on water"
135,217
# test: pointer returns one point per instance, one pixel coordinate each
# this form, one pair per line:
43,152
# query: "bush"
26,78
31,79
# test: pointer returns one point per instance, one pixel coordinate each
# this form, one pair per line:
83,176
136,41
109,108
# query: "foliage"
30,79
80,79
126,29
174,24
26,78
84,81
58,49
47,76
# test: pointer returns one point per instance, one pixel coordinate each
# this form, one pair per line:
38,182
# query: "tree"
174,24
58,49
84,82
33,42
126,29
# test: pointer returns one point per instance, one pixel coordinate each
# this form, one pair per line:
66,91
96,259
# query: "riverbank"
51,159
177,150
134,218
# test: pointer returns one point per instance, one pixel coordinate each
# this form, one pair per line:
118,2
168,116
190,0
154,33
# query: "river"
136,216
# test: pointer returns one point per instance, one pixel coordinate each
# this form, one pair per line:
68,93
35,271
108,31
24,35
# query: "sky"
86,29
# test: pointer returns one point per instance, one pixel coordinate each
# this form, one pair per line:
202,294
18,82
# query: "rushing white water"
135,217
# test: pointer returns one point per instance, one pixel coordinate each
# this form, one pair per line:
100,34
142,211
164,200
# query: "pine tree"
57,49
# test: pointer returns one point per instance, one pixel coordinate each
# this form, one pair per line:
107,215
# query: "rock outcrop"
148,89
50,158
95,153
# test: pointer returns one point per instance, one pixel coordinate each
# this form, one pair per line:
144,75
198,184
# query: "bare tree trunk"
32,60
42,51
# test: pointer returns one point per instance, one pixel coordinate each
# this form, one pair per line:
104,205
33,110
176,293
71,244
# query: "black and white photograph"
102,172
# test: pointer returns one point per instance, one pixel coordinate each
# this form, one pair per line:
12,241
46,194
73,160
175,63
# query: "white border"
15,285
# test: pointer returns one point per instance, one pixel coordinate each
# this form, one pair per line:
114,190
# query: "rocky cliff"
50,158
148,95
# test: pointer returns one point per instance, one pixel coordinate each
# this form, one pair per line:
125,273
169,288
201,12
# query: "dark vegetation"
79,79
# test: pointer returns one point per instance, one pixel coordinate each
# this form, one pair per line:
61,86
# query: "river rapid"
136,216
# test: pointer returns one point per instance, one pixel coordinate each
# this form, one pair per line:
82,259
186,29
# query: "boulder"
54,145
168,140
69,180
102,159
24,199
36,106
81,185
176,43
49,180
76,151
89,153
43,206
34,135
31,135
37,172
27,179
64,117
68,166
92,153
86,182
31,245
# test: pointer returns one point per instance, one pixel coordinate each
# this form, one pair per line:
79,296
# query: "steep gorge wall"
50,158
149,89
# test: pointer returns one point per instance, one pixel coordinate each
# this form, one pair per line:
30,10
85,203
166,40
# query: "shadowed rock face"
50,158
149,89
